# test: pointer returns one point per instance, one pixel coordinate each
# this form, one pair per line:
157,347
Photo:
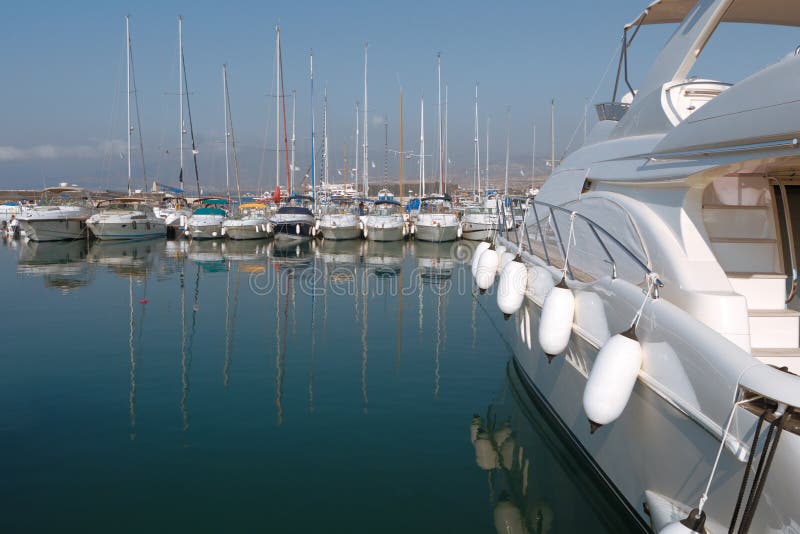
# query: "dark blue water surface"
222,386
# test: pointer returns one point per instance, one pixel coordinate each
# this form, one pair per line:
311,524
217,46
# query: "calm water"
241,387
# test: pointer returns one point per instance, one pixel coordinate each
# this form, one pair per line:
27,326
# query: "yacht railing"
597,231
789,237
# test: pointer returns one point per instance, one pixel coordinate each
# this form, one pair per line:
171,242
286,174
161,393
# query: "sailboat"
250,222
128,217
659,266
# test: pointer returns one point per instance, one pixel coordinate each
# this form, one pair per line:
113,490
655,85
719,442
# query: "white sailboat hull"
436,233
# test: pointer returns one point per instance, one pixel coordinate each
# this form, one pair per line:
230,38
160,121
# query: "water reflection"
207,254
61,264
125,258
537,482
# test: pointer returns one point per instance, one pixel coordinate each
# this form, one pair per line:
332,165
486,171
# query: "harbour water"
243,386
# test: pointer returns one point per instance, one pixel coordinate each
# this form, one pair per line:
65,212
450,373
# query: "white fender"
316,224
269,228
460,231
485,455
508,519
487,269
555,326
413,229
213,234
540,282
505,258
222,231
483,245
511,290
612,378
404,230
297,229
183,221
695,522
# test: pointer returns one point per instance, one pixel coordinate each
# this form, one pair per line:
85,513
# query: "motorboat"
125,218
340,220
652,283
436,220
206,219
479,223
175,212
385,222
250,222
60,215
294,220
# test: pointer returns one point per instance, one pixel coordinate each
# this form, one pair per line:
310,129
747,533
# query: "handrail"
789,236
595,229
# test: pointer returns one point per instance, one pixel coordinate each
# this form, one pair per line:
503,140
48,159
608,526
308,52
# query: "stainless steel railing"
598,232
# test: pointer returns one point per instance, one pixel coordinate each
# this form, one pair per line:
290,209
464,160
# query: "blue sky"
62,91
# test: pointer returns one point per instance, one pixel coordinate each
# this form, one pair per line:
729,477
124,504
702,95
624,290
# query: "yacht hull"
477,231
257,231
108,231
54,229
292,230
655,453
393,233
436,233
340,233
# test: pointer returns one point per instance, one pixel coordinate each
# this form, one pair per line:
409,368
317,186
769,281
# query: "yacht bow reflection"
125,258
538,482
61,264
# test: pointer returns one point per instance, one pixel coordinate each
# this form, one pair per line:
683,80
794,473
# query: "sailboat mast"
313,164
344,174
385,149
476,177
552,135
358,118
366,123
422,146
130,130
227,133
533,160
439,122
402,156
325,136
294,138
488,124
233,139
278,109
181,130
446,157
508,146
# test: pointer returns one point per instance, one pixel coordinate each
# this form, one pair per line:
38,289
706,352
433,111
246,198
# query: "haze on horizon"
62,101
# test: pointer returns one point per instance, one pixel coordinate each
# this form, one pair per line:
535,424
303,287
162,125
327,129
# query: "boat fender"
413,229
474,427
539,284
404,230
695,522
511,289
505,258
213,234
183,221
508,519
485,455
555,326
483,245
487,269
316,225
366,231
223,230
269,228
187,233
314,231
612,378
460,231
297,229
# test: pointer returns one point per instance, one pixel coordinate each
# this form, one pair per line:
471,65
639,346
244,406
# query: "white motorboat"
340,220
666,348
206,219
385,222
436,221
125,218
60,215
175,213
250,223
479,223
294,220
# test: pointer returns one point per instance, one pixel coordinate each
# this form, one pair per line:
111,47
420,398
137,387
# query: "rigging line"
191,126
138,118
282,96
233,140
591,99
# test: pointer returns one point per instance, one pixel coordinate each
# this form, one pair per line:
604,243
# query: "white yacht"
666,348
340,220
175,212
125,218
479,222
60,215
294,220
385,222
436,221
206,219
250,222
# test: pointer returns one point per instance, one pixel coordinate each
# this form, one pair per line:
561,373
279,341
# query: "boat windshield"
480,211
385,209
435,206
64,197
